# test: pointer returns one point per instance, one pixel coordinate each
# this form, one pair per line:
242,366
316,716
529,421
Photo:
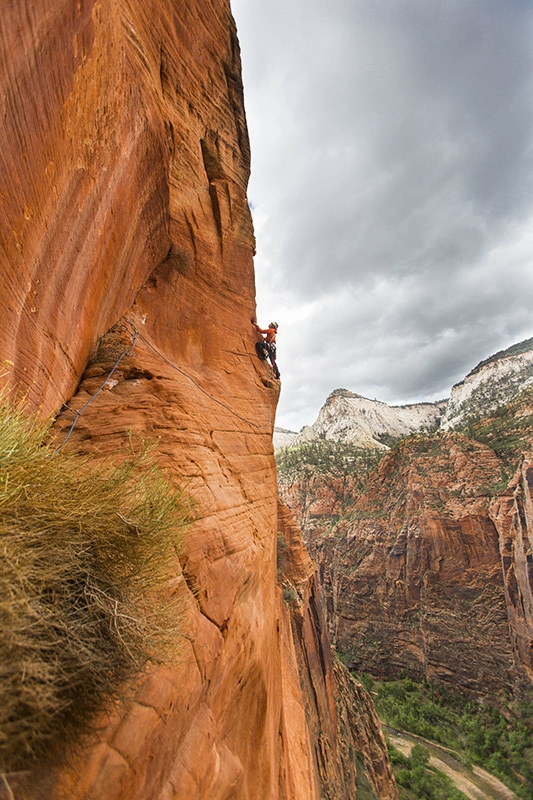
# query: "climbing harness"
138,335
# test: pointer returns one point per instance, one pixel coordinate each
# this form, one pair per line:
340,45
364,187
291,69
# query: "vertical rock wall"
345,734
126,242
513,516
85,200
412,570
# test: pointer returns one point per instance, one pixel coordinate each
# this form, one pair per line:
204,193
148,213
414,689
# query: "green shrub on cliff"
325,457
86,552
325,465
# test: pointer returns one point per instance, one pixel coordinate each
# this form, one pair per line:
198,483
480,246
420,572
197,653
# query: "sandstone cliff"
127,293
512,515
426,572
353,754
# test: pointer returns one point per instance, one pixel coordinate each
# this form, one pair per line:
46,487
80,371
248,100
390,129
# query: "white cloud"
392,183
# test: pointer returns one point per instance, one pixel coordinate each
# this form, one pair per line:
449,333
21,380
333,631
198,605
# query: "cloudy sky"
392,190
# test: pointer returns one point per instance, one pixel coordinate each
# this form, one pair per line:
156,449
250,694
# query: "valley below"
474,782
423,543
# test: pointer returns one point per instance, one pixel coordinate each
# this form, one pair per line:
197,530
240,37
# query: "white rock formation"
352,419
491,384
283,438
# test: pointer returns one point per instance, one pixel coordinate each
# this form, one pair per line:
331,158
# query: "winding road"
475,783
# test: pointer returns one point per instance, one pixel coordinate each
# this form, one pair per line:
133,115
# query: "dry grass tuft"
85,553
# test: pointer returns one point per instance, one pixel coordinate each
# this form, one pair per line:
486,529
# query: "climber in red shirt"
267,347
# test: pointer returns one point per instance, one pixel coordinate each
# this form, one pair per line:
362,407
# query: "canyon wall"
512,514
426,572
346,737
127,294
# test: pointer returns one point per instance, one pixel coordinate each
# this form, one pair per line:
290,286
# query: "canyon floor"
474,782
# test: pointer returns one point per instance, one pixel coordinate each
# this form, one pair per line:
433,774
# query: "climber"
267,347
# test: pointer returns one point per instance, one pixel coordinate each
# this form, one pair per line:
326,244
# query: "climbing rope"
89,401
138,335
220,403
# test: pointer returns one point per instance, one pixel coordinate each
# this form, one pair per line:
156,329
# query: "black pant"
269,349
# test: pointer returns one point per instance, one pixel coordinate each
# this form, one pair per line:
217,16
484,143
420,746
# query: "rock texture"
512,514
352,419
283,437
344,726
127,248
492,383
412,568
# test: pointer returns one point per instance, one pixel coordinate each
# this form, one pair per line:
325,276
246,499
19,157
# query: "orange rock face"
341,717
513,516
127,242
412,572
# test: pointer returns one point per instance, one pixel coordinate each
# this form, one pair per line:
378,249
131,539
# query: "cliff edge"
127,293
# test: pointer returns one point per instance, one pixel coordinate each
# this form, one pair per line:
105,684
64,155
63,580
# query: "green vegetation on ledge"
325,458
508,430
88,551
514,350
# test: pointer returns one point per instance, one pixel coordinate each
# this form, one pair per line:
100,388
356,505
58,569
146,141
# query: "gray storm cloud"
392,181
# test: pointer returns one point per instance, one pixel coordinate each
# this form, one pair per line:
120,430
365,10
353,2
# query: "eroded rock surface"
491,384
345,733
127,294
412,568
352,419
512,514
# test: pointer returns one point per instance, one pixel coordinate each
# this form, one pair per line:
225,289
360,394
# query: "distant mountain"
352,419
349,418
283,437
492,383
